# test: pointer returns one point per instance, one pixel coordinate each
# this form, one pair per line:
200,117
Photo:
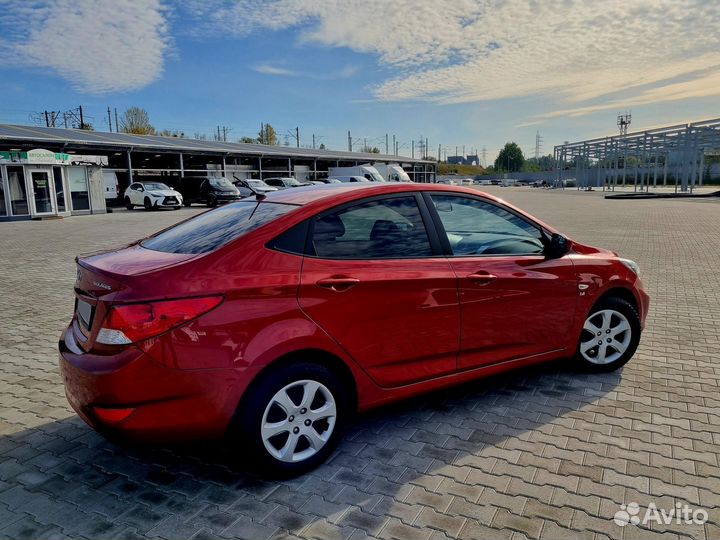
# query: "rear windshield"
213,229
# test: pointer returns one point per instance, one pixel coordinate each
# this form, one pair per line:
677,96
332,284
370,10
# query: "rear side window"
214,229
381,229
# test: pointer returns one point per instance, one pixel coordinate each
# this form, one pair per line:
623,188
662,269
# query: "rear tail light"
136,322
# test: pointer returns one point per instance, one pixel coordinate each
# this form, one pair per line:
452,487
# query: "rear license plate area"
85,313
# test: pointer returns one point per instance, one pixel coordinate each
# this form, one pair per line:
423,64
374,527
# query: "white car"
284,182
257,186
152,195
350,178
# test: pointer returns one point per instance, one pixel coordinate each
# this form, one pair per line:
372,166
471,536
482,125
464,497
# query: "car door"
514,301
135,193
375,281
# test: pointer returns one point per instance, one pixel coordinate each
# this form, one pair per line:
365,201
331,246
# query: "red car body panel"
408,326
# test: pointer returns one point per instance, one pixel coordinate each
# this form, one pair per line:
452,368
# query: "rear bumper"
168,405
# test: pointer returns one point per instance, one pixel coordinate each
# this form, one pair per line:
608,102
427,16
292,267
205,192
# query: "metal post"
224,167
129,167
290,169
182,165
260,173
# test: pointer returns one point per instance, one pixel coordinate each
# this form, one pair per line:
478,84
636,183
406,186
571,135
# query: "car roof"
349,191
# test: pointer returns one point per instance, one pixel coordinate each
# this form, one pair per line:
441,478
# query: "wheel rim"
298,421
606,336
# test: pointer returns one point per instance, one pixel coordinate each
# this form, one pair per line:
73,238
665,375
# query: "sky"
477,73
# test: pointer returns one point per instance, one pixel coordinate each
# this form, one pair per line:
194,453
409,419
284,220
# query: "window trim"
442,233
433,239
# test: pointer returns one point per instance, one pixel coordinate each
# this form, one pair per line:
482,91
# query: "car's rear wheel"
128,204
187,202
610,335
291,420
148,204
212,201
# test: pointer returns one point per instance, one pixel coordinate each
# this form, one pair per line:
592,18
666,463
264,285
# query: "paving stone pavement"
546,452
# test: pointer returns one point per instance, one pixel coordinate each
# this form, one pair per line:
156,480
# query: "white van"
112,189
350,178
392,172
366,171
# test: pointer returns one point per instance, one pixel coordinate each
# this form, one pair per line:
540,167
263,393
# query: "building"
40,183
463,160
51,171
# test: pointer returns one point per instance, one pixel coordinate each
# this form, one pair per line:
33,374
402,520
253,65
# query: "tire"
293,384
212,201
187,203
148,204
128,204
610,336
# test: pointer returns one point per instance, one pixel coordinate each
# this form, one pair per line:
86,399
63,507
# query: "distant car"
255,186
152,195
317,183
210,191
284,182
350,178
467,182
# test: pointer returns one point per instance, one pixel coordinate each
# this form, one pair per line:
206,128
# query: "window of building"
18,191
59,189
79,195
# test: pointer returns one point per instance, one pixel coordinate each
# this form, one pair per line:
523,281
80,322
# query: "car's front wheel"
610,335
148,204
212,201
291,419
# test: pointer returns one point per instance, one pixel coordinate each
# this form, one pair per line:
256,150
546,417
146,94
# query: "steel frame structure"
640,158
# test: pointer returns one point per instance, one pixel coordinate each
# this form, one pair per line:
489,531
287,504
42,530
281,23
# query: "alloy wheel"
298,421
606,336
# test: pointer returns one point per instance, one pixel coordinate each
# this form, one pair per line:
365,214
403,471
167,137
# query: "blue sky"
459,72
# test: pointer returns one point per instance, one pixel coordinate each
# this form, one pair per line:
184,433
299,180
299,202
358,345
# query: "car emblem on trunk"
102,285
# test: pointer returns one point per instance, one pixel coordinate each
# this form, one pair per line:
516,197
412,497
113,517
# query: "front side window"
211,230
220,182
381,229
155,186
476,227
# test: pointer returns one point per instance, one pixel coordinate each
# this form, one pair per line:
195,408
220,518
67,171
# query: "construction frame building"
672,155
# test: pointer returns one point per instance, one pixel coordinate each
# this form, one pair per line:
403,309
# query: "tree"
268,135
248,140
322,146
510,158
172,133
87,126
136,120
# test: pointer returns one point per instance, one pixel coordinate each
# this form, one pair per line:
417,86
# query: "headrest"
329,227
384,228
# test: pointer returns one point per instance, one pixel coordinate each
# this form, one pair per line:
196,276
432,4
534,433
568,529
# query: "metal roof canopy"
155,143
679,150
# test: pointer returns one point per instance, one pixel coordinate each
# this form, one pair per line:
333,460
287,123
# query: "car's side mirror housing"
557,246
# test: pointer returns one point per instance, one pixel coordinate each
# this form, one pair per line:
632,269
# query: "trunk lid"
103,277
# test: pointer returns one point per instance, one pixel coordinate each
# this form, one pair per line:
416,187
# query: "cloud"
460,51
269,69
99,46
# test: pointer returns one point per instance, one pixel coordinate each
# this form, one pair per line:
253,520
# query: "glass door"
42,191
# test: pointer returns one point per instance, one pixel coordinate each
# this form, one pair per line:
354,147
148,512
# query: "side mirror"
556,246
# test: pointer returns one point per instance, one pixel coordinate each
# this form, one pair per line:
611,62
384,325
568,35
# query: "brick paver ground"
540,453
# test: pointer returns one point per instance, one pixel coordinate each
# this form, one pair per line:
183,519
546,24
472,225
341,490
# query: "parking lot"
540,453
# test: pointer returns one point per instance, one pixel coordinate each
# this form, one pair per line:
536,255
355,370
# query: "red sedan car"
271,321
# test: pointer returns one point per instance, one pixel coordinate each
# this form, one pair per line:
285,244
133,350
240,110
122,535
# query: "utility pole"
386,144
65,120
397,147
426,147
439,158
349,142
413,148
484,155
82,120
47,120
109,120
463,151
297,136
394,144
117,126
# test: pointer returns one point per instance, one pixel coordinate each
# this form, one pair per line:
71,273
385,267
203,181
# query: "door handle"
482,277
337,284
